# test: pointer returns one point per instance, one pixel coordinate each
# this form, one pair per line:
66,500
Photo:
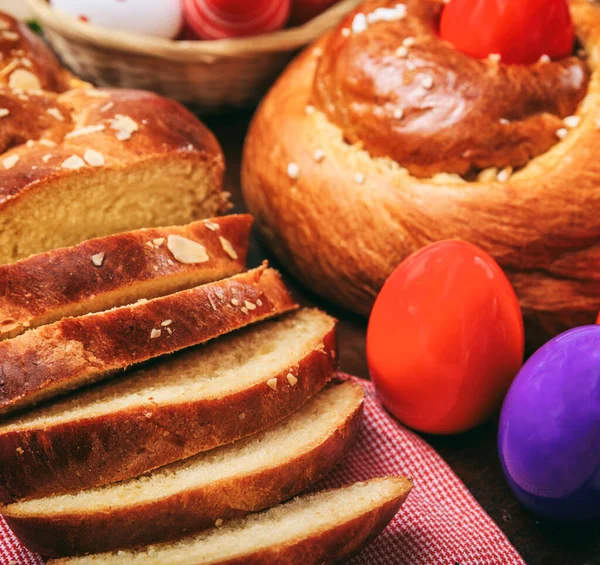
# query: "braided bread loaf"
382,138
78,162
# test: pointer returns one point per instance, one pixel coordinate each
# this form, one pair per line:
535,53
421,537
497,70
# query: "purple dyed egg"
549,438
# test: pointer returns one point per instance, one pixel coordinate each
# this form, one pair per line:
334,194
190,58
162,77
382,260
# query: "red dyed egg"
220,19
445,338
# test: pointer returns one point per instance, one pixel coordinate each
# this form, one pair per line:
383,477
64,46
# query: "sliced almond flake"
409,41
272,383
10,162
402,51
212,226
166,323
107,107
24,80
562,133
47,157
249,305
98,259
56,113
293,171
572,121
47,142
155,333
169,331
9,68
95,93
504,174
495,57
29,143
504,121
85,130
94,158
291,379
244,309
10,35
235,301
4,112
185,250
259,302
318,155
427,82
158,241
212,303
545,59
73,162
124,126
27,62
228,248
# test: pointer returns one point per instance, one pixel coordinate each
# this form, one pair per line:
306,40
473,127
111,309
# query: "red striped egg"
219,19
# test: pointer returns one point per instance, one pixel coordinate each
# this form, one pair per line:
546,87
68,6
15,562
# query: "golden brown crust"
330,546
75,455
158,128
343,237
453,124
65,355
186,512
66,282
22,50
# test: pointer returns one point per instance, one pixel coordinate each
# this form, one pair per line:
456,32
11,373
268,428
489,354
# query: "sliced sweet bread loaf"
314,529
120,269
190,402
184,497
53,359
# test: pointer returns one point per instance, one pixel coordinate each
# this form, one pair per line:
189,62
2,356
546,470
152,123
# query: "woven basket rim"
279,41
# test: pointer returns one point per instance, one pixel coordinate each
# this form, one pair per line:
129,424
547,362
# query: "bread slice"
185,497
52,359
319,528
120,269
191,402
118,160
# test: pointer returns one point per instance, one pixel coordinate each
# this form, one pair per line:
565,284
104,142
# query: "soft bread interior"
291,438
226,365
283,525
103,201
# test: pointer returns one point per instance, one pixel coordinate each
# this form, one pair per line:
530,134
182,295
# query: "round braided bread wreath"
380,139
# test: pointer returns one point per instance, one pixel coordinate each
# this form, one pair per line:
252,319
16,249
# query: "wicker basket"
210,75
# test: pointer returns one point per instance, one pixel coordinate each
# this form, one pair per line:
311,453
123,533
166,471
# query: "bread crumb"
166,323
333,354
272,383
504,174
398,113
186,251
545,59
427,82
345,32
309,110
218,522
495,57
47,142
98,259
409,41
4,112
10,162
242,416
155,333
292,379
228,248
504,121
148,415
212,303
10,35
158,241
402,51
359,178
562,133
47,157
166,433
20,450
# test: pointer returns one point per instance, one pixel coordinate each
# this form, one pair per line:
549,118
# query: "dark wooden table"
473,455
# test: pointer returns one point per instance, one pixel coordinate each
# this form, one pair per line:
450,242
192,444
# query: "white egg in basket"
159,18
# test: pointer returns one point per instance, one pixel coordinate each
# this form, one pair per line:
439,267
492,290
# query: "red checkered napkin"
440,523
